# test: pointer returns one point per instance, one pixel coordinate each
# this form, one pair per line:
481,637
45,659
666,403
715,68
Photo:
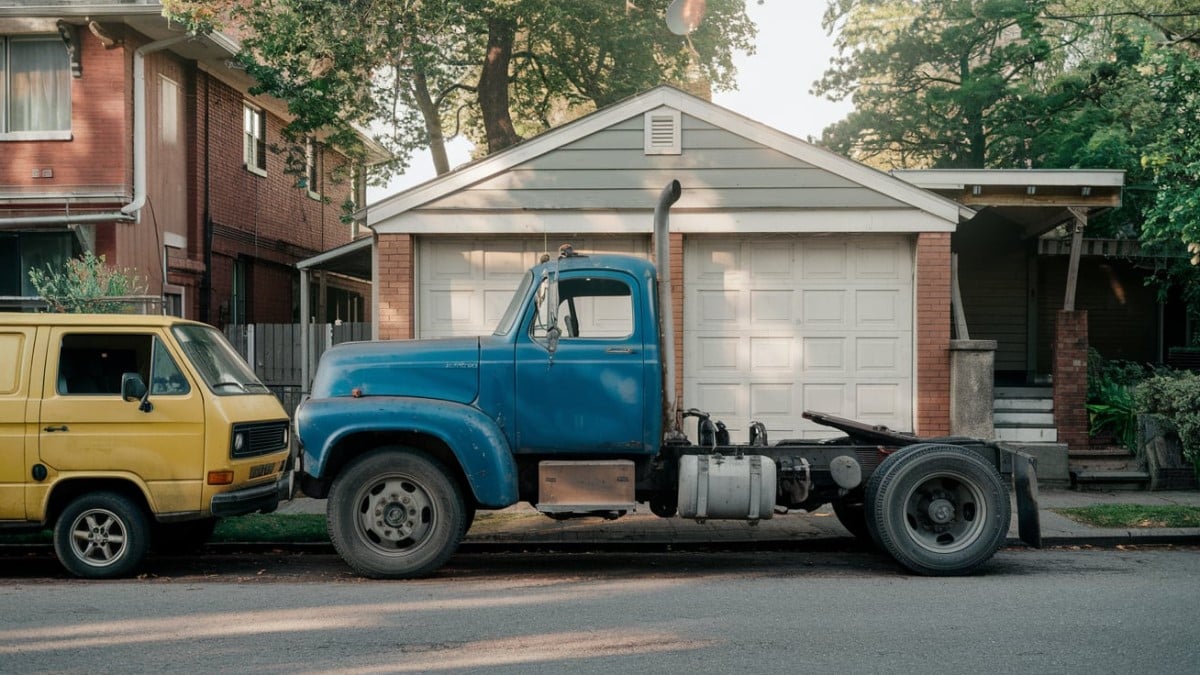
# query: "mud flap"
1025,486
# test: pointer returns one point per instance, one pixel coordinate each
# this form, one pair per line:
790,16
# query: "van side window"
92,363
168,379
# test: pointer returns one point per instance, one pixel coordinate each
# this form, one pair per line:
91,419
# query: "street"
1059,610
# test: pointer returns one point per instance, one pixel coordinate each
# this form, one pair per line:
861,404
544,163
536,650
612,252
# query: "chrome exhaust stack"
672,422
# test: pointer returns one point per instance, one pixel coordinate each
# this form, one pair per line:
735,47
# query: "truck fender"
476,440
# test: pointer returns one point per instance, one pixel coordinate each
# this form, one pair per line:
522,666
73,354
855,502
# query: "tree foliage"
1112,84
86,284
494,70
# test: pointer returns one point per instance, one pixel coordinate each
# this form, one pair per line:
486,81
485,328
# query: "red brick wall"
99,151
266,218
676,256
395,281
1070,378
933,334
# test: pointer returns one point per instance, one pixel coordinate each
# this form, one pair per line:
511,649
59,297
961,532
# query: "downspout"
206,277
666,313
134,208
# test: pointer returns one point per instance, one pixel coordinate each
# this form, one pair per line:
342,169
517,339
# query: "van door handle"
619,350
61,427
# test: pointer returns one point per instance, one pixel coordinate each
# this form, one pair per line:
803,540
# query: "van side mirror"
134,389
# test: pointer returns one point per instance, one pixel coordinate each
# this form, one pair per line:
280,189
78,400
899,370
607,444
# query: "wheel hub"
941,511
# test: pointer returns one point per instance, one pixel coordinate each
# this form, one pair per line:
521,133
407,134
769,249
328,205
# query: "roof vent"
663,135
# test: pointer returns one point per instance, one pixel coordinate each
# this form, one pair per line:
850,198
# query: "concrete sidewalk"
521,524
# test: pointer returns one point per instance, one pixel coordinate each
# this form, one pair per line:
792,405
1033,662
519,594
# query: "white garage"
466,283
778,325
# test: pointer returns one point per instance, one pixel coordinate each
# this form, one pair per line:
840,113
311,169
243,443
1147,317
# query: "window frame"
254,140
6,98
312,151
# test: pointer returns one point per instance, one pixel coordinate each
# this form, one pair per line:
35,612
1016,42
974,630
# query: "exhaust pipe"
672,423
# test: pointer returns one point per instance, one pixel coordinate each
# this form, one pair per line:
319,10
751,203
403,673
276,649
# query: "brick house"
181,177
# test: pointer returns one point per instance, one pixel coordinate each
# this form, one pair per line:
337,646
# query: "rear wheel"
102,535
938,509
395,513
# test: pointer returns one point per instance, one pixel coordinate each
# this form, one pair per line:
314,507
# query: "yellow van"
118,430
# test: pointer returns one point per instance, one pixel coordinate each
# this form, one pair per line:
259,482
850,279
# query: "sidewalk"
521,524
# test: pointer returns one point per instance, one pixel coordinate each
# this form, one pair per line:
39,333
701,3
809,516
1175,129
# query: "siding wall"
609,169
993,274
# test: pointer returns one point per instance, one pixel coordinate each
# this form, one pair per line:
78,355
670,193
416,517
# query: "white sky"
773,84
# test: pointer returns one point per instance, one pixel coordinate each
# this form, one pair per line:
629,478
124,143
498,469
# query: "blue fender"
475,439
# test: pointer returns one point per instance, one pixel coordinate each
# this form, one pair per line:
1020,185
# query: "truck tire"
101,535
939,510
395,513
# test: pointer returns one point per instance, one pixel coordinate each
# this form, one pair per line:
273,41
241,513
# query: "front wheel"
103,535
938,509
395,513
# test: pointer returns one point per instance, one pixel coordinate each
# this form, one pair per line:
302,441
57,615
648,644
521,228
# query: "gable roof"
664,95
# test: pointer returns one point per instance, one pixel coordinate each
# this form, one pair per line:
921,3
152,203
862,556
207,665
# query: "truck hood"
443,369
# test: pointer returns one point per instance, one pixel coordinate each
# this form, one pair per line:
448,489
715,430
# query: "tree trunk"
433,122
493,85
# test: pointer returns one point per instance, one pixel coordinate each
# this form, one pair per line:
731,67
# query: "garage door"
464,285
775,326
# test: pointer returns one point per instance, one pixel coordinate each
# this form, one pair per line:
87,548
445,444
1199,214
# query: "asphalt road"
1093,611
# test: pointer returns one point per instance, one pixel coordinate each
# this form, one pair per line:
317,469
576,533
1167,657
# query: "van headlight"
239,441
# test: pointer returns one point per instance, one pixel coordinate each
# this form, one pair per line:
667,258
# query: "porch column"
932,334
1070,353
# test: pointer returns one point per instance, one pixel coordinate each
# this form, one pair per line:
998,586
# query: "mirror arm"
145,405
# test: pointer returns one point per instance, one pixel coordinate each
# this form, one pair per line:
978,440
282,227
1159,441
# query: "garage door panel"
809,323
465,283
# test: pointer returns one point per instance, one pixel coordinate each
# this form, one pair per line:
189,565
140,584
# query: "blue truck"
570,405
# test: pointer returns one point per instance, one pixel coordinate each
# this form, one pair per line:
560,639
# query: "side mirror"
552,336
134,389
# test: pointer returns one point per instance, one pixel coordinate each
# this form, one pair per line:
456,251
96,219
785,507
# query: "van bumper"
264,498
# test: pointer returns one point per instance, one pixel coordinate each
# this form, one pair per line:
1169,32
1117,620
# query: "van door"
87,427
16,352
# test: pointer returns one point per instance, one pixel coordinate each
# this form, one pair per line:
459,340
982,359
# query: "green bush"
1114,412
1177,398
1104,373
86,284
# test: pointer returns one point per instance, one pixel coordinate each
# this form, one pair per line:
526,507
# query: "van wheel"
395,513
938,509
101,536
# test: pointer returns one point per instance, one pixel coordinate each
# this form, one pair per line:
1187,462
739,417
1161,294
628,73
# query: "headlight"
239,441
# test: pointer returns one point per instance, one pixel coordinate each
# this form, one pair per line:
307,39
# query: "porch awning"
352,260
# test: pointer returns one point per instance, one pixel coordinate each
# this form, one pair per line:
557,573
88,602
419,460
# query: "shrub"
1176,398
85,284
1114,412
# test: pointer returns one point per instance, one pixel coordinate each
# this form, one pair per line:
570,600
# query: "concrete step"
1109,480
1112,458
1024,392
1034,404
1023,418
1053,469
1027,434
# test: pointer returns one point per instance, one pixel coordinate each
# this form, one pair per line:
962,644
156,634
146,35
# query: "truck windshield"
514,306
222,369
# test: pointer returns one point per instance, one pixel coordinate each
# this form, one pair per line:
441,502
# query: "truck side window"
595,308
92,363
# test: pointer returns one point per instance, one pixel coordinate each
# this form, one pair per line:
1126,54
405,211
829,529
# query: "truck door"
16,352
87,427
586,396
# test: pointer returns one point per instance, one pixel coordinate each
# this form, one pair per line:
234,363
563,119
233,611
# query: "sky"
773,85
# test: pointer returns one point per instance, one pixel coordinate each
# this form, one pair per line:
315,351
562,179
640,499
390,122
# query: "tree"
86,284
493,69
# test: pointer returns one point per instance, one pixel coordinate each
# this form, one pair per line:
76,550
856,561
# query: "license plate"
260,470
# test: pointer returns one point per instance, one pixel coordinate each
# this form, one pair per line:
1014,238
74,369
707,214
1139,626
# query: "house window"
35,88
310,167
254,146
237,304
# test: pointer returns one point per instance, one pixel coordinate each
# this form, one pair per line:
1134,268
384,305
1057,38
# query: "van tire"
395,513
102,535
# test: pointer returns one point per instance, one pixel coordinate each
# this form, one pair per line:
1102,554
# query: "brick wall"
676,255
99,151
1070,378
395,281
933,334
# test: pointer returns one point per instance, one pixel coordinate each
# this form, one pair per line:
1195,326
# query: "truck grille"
258,438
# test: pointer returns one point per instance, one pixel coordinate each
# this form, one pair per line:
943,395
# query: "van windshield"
219,365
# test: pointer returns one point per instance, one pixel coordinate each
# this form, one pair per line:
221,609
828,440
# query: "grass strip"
1134,515
273,528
